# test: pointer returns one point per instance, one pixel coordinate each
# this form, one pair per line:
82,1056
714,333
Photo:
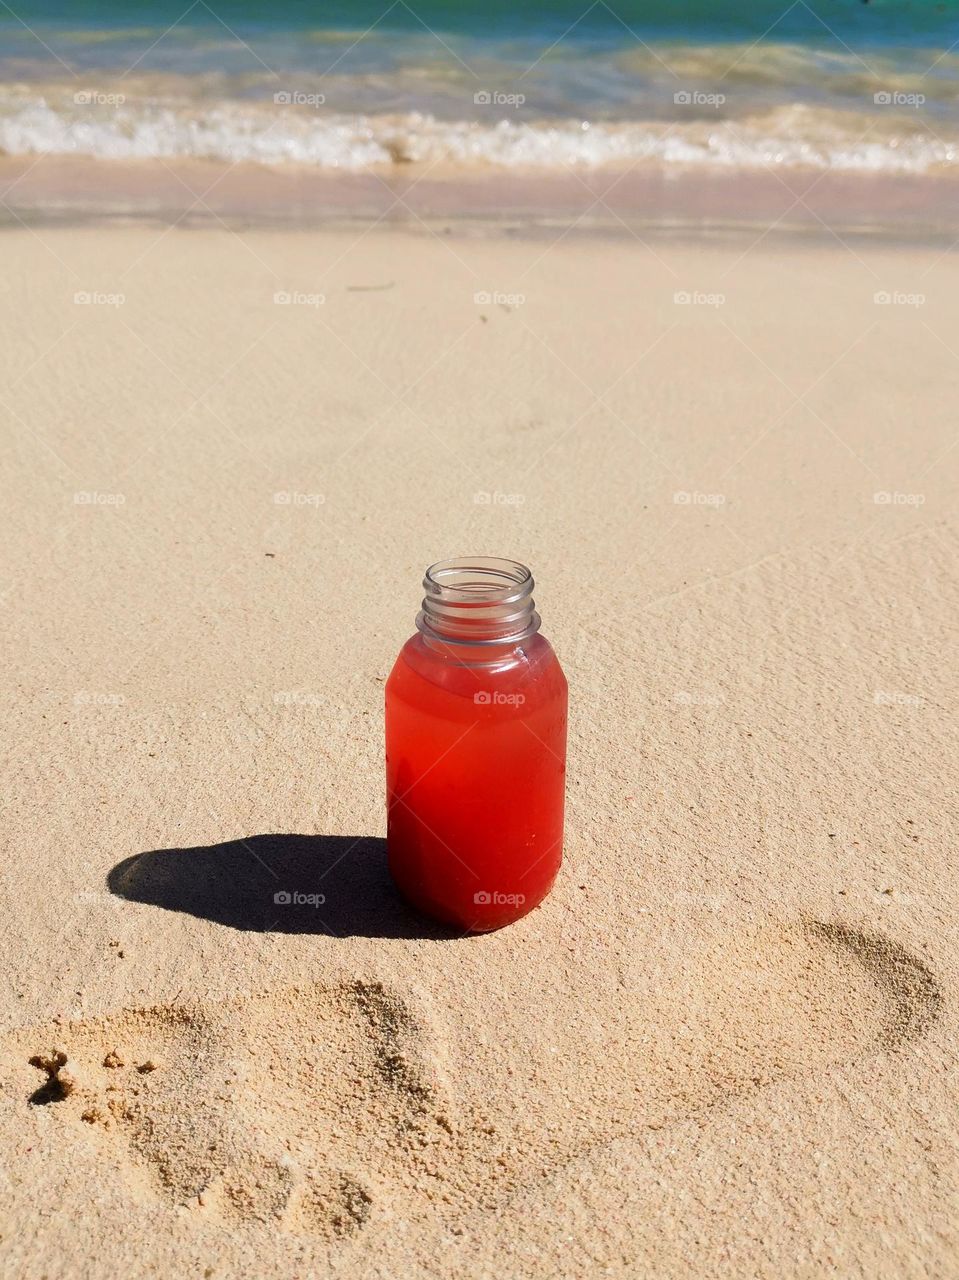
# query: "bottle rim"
478,579
478,600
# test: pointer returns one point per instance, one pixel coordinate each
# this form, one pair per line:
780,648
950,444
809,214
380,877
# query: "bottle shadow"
335,885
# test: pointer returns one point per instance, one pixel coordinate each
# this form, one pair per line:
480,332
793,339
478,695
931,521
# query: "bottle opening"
478,600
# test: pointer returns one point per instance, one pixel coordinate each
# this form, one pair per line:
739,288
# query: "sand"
726,1044
214,193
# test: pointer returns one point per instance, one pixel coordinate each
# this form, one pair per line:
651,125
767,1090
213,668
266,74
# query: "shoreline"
689,205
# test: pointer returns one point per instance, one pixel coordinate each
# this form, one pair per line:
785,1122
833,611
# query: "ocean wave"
797,136
830,72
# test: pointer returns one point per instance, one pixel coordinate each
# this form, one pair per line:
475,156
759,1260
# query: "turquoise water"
695,21
836,84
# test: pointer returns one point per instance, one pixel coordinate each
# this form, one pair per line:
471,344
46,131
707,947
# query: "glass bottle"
476,749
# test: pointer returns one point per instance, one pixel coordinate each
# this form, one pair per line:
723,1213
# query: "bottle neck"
478,607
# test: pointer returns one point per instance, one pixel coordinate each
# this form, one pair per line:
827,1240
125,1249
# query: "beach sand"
726,1043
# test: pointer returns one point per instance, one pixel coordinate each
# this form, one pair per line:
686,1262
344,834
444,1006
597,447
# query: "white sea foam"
791,137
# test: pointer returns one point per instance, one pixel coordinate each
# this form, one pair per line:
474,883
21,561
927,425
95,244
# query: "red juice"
476,750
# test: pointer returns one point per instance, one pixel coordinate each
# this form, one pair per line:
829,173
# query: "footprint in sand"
314,1110
285,1109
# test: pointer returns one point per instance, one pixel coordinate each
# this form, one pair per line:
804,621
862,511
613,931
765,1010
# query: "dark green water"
695,21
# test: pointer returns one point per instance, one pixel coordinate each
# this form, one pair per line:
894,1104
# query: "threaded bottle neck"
478,600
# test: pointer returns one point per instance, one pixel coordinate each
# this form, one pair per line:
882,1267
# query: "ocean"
307,108
832,84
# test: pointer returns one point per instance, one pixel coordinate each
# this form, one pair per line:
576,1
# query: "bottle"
476,749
